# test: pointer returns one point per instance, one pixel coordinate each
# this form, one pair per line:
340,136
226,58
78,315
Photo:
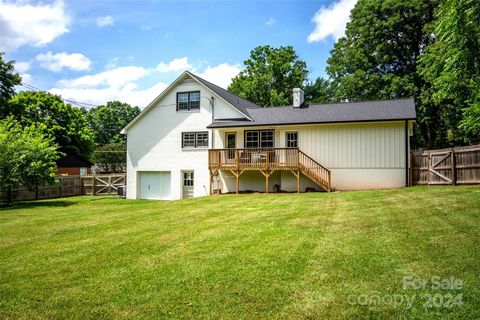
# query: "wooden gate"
102,184
441,168
446,166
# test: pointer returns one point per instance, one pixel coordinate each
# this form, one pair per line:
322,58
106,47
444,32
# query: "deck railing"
269,160
315,171
254,159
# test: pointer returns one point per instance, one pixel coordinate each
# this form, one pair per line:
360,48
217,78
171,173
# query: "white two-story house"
196,139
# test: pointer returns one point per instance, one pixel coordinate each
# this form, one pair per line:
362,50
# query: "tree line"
425,49
37,128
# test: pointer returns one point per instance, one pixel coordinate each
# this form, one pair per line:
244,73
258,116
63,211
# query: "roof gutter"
212,126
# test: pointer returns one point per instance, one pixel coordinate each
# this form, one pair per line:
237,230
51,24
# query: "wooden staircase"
314,171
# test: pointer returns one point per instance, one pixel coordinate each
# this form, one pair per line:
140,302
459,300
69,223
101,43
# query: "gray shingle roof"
237,102
383,110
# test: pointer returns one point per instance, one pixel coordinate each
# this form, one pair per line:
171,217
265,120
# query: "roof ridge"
222,89
340,102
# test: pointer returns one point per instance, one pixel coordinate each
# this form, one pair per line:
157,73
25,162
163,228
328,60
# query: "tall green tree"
378,57
452,66
111,158
8,80
108,120
269,76
65,123
27,156
319,91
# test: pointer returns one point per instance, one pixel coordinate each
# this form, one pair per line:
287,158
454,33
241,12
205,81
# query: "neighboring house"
73,165
196,138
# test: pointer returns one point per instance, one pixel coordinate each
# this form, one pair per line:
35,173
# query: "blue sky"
96,51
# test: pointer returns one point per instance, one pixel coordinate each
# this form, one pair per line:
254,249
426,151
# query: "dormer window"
188,101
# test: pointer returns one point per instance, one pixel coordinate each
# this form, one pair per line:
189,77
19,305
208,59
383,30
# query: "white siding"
360,155
154,142
225,111
354,145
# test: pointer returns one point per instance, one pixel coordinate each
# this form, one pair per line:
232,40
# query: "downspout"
212,104
407,149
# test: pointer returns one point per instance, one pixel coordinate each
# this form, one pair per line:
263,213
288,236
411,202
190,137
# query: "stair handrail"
324,179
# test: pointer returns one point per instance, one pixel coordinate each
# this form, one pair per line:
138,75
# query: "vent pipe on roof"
297,97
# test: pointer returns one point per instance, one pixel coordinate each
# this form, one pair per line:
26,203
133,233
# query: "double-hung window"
291,139
188,101
195,139
259,139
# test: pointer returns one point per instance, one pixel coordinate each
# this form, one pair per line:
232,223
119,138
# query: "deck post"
237,174
298,181
236,183
266,181
267,174
211,182
296,173
329,181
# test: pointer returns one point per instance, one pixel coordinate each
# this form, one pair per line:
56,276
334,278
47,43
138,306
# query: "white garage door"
155,185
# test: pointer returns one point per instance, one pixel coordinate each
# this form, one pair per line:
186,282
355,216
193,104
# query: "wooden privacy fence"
68,186
459,165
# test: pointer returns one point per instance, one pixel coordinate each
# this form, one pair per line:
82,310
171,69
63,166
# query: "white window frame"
287,141
259,138
196,140
189,101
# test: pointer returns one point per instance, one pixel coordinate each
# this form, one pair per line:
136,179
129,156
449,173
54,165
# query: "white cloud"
26,77
221,75
128,93
113,84
22,23
58,61
270,22
331,20
22,66
112,63
178,64
116,78
122,83
105,21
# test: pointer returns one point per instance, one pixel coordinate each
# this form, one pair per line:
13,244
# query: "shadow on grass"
61,202
34,204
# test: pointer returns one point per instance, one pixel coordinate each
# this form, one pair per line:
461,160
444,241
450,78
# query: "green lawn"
315,255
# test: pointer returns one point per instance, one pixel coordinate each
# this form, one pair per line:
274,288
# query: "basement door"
188,181
155,185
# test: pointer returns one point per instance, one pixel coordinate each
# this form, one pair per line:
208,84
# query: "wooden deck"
267,161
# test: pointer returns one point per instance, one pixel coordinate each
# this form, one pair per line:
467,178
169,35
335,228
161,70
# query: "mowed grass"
288,256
